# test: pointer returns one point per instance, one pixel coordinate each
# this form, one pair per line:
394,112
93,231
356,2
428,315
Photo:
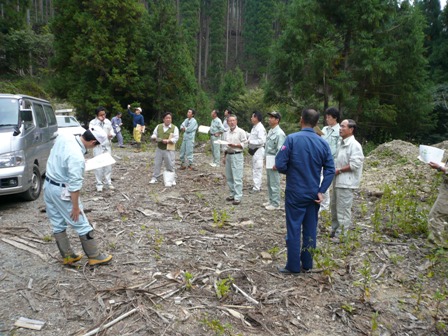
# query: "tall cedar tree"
172,84
99,52
258,35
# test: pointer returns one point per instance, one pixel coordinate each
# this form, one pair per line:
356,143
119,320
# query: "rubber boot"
90,248
138,147
69,257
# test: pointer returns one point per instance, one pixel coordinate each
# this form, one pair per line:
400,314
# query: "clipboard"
170,146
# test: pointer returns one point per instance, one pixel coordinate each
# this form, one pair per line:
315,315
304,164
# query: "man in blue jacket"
301,158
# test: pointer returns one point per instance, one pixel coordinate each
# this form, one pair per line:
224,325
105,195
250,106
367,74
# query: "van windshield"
9,112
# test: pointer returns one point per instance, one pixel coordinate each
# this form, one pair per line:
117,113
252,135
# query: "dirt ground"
186,262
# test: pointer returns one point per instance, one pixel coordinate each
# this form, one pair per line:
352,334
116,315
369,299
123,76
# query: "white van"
28,130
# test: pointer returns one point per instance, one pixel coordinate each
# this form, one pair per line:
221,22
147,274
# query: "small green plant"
274,250
396,258
374,324
158,240
348,308
324,260
112,246
439,297
215,325
47,238
188,280
220,217
124,218
223,287
199,195
365,282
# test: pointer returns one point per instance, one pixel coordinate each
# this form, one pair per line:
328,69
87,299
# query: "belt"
233,153
55,183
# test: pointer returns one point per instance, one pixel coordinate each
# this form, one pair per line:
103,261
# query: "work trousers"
137,135
301,228
341,210
163,156
438,218
234,174
119,138
186,152
58,211
103,174
216,149
257,168
273,183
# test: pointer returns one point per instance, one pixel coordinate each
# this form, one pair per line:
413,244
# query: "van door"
52,122
41,136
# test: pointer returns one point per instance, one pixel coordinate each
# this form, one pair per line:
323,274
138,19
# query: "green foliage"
220,217
232,86
99,53
399,212
223,287
216,326
188,280
25,52
368,56
258,34
216,11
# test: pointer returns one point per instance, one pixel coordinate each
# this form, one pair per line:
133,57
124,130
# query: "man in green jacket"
166,135
189,127
216,130
274,142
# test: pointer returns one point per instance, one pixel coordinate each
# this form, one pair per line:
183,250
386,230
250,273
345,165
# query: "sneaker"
230,198
236,202
99,189
265,204
272,207
111,187
173,183
153,180
213,164
254,191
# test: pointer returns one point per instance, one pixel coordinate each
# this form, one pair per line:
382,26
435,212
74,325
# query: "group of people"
313,166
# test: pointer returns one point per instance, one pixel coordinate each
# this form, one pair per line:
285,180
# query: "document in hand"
431,154
99,161
204,129
170,146
270,161
221,142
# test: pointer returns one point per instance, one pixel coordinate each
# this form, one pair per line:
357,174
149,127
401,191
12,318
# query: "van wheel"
36,186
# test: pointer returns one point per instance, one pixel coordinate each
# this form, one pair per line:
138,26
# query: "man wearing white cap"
63,182
138,122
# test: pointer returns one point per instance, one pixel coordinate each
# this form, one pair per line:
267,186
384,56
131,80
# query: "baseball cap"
275,114
99,134
138,108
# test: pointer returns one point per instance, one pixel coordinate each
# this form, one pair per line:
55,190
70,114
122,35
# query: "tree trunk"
200,48
227,33
236,29
207,45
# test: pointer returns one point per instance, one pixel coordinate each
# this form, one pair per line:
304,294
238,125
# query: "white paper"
99,161
221,142
270,161
431,154
204,129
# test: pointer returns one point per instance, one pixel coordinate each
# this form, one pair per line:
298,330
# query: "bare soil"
175,249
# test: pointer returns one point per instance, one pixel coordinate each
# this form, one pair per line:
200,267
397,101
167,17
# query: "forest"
383,63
